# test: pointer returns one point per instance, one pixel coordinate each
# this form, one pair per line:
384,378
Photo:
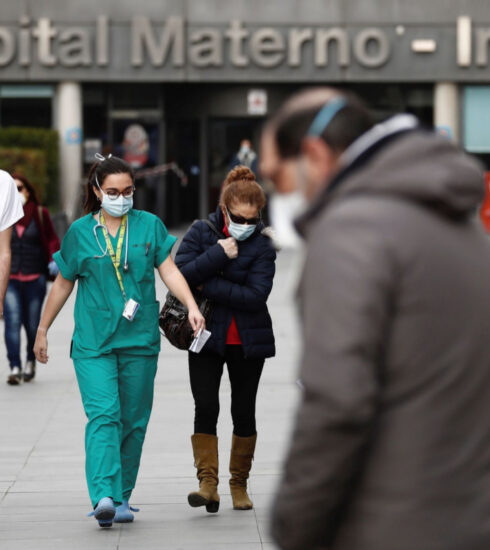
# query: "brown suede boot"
205,447
242,453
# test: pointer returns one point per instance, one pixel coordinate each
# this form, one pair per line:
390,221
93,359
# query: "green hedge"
20,146
29,162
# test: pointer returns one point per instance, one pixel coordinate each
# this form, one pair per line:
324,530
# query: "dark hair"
27,184
102,169
292,123
240,186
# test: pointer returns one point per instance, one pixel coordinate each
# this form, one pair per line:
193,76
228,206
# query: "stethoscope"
104,252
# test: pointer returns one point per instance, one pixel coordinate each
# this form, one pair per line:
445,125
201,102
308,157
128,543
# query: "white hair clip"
100,157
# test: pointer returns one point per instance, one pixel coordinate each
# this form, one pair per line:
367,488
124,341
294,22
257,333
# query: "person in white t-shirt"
10,212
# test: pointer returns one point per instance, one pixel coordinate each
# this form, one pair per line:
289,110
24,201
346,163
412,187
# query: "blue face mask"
117,207
240,231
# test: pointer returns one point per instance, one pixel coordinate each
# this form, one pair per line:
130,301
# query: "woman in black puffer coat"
236,273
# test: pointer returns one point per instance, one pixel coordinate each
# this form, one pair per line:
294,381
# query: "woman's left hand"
196,319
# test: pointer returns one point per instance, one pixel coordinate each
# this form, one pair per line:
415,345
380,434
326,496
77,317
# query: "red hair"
240,186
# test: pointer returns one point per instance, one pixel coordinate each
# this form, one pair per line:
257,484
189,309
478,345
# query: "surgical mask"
244,149
240,231
284,208
23,198
116,207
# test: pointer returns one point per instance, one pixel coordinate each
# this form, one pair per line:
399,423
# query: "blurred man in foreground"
10,211
391,449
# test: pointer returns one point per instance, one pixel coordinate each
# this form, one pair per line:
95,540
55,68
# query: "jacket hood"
414,165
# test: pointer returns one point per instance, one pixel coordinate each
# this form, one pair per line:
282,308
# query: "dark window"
32,112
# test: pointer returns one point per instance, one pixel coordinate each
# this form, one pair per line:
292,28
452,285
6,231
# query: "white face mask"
284,208
23,198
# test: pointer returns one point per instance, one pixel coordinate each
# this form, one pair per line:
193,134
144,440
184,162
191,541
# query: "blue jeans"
23,304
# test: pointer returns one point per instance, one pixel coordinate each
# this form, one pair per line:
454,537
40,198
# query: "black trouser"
206,369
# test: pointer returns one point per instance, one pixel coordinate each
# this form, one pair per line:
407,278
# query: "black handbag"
173,318
174,322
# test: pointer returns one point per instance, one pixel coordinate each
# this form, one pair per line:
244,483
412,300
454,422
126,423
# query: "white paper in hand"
199,340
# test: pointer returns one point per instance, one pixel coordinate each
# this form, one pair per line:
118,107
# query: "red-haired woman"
236,273
34,241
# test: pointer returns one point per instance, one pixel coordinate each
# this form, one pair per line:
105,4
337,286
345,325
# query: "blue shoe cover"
123,513
105,522
104,512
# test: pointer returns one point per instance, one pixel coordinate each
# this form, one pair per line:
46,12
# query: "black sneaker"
29,371
15,376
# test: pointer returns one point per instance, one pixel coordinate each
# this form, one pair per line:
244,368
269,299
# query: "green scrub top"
100,327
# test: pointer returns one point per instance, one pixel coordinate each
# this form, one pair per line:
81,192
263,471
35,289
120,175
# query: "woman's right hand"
230,247
41,346
196,320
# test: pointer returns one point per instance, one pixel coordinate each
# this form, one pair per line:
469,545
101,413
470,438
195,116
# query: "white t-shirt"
11,209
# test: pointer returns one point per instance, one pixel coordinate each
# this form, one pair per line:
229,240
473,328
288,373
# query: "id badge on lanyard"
130,306
130,309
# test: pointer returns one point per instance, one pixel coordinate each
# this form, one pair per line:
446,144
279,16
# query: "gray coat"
391,449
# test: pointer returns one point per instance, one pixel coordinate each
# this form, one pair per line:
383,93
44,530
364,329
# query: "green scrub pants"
117,395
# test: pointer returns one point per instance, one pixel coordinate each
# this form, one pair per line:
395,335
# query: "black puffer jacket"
239,288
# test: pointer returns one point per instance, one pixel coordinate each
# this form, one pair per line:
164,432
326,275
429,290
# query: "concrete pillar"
447,110
203,169
68,122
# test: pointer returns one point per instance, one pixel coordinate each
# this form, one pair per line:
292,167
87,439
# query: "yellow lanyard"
116,257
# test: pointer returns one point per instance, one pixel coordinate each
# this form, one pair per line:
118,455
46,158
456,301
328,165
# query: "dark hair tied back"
98,173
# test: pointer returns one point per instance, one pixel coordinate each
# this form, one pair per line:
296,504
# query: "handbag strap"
213,228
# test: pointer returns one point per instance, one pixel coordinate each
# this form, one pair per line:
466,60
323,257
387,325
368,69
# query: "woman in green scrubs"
112,252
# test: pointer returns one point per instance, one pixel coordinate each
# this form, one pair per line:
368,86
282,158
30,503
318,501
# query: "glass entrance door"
138,140
225,135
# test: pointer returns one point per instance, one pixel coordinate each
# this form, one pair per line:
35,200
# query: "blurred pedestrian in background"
10,211
391,449
236,273
245,156
112,252
34,241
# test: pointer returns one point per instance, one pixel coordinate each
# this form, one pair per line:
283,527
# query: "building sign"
136,145
176,49
73,136
445,131
257,102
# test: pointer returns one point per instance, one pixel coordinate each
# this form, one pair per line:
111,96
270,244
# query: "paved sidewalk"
43,496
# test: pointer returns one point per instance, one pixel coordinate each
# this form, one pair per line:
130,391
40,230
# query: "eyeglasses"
126,193
112,193
241,220
20,188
